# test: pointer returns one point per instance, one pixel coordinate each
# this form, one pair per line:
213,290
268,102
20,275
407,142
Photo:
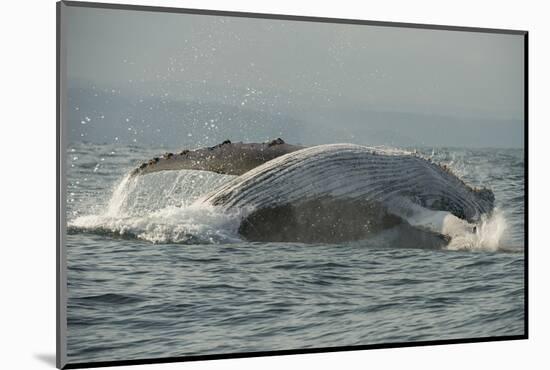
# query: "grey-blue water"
149,276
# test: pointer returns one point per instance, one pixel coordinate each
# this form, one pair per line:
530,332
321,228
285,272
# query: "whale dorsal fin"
225,158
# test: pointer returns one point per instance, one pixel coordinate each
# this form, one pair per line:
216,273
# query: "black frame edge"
526,181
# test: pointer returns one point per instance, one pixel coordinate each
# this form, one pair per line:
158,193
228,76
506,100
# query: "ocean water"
151,275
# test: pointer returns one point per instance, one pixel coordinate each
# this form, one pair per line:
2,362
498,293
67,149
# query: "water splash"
489,235
486,235
120,195
160,208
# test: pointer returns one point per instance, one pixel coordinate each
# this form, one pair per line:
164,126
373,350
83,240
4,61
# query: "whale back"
226,158
352,173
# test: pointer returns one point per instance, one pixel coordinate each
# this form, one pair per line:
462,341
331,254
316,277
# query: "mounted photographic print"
236,184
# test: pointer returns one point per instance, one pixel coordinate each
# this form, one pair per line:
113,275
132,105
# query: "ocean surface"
151,275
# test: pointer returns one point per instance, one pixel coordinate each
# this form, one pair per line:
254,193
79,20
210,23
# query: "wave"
198,207
110,298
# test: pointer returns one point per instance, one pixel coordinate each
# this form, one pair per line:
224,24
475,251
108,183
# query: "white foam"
190,224
486,235
160,208
489,235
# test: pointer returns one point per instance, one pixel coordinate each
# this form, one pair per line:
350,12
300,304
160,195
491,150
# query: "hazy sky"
308,72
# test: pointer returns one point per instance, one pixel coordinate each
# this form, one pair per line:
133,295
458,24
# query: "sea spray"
159,208
489,235
119,195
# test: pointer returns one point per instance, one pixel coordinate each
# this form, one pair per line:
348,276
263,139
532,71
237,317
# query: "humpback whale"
333,192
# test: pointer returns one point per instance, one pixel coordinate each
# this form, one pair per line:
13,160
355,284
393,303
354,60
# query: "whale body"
338,192
335,192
